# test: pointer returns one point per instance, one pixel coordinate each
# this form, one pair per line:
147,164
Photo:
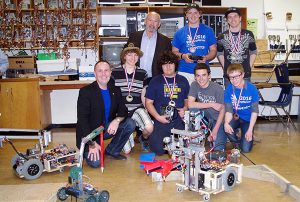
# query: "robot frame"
76,187
206,172
36,160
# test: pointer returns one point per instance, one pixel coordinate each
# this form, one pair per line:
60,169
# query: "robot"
76,187
206,172
36,160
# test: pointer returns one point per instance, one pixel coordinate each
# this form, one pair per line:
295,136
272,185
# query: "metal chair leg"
289,120
280,117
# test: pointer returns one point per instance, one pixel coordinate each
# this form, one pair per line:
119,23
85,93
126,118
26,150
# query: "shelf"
50,18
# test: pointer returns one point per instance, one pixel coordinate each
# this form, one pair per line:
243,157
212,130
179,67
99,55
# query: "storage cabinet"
23,105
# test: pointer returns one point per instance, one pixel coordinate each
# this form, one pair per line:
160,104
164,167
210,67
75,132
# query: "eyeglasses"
235,77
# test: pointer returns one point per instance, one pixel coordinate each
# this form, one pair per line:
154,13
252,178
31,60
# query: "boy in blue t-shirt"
195,39
241,105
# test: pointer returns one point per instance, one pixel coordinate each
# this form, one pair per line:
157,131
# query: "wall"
64,110
254,10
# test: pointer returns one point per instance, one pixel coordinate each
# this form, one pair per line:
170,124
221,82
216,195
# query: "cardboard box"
21,62
86,73
58,67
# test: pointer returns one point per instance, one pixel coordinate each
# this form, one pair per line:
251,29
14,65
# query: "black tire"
229,179
32,169
206,197
179,189
61,194
104,196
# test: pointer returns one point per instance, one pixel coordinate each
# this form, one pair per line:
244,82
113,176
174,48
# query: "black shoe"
116,156
145,147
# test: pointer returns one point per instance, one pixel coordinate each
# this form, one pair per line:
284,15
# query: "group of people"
158,81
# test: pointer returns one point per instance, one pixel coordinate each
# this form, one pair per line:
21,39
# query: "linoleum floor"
278,148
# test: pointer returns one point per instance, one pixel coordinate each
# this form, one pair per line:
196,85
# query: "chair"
285,97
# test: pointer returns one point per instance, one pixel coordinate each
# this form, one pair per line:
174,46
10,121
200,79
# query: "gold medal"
129,98
236,116
172,103
192,49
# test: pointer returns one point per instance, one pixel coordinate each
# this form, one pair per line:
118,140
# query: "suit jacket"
90,109
163,43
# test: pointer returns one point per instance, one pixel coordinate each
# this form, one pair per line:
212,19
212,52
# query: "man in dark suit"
152,43
100,103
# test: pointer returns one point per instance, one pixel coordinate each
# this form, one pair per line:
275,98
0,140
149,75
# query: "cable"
13,146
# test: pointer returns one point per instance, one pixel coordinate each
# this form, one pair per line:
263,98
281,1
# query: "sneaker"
145,147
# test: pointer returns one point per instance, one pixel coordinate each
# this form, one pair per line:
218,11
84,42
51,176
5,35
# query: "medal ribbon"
235,42
236,102
129,85
193,38
171,92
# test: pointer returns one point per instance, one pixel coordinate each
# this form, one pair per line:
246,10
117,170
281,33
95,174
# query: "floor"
278,148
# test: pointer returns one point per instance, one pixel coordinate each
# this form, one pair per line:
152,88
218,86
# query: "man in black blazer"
152,43
100,104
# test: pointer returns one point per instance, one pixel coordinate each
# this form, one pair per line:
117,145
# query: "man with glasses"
241,105
208,96
236,45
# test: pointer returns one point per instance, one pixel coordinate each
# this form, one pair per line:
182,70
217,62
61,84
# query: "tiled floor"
278,148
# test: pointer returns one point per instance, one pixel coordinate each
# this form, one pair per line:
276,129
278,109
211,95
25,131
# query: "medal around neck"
172,103
129,98
236,116
192,49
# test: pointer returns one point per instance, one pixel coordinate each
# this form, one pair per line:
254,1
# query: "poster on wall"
252,26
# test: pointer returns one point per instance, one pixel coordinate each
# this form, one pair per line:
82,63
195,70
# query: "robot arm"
86,139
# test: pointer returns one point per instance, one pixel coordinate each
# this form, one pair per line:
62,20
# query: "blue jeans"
161,131
244,145
118,141
221,139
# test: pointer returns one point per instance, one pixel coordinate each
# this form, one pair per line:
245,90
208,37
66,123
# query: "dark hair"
232,10
193,5
168,57
202,66
101,60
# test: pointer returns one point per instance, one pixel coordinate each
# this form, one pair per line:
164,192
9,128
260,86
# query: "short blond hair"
235,68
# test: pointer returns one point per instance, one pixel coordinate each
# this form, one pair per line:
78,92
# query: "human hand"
113,127
181,112
228,129
94,151
186,58
204,58
249,135
163,119
213,135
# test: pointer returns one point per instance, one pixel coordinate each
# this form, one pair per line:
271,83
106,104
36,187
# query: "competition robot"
207,172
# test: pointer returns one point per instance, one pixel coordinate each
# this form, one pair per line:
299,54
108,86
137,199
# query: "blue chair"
285,97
